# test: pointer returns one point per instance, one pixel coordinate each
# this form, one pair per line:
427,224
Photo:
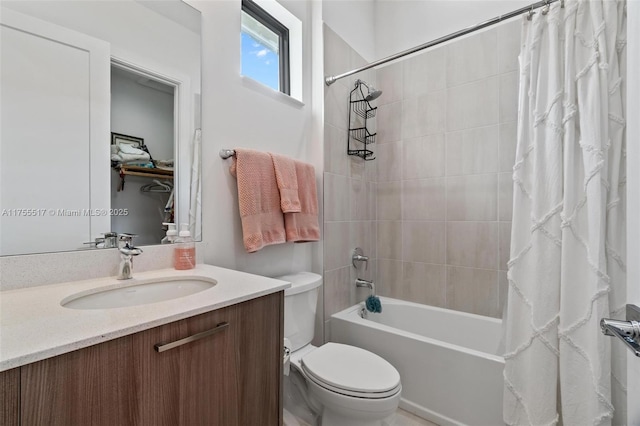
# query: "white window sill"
256,86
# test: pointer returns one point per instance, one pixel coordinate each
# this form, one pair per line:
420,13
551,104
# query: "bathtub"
447,359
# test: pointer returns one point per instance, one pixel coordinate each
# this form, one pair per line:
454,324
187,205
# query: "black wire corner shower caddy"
359,136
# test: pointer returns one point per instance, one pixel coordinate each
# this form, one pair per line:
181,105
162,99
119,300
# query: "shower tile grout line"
446,196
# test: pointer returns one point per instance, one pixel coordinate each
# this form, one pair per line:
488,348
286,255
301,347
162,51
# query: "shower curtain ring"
546,7
530,13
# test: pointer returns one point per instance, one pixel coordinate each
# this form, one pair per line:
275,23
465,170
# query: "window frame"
266,19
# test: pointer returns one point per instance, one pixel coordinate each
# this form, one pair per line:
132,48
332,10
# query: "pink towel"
285,168
258,199
303,226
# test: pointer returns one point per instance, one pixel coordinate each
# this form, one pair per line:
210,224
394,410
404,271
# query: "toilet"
346,385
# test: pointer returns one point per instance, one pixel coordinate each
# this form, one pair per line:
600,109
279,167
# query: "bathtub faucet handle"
358,256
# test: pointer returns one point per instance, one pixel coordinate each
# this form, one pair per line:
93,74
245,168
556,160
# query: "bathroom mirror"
100,113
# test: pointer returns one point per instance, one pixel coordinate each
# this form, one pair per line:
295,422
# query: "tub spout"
364,283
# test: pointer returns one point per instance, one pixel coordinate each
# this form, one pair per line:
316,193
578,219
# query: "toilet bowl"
346,385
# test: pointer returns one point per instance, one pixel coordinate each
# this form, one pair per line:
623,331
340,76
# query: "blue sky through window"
259,62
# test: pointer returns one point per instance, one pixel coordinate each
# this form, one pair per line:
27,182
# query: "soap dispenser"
184,255
172,234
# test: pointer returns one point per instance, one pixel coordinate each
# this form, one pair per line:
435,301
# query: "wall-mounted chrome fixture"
226,153
358,256
627,331
372,92
366,284
108,240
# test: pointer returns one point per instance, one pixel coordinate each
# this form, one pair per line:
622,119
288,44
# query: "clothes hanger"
157,186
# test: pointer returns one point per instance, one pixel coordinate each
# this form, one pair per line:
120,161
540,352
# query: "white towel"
129,149
126,158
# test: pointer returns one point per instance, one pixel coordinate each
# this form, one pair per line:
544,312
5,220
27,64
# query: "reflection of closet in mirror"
56,58
142,107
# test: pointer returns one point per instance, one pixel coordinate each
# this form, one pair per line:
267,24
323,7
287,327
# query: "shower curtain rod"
329,80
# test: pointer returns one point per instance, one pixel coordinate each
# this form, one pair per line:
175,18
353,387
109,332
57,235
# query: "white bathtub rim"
427,414
351,315
391,301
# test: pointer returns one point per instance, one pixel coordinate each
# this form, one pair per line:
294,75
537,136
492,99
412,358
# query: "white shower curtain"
567,267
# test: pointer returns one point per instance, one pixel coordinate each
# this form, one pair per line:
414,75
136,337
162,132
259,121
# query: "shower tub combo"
447,359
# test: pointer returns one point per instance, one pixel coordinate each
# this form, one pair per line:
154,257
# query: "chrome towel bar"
227,153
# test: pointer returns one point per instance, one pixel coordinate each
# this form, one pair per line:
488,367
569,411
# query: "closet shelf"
154,173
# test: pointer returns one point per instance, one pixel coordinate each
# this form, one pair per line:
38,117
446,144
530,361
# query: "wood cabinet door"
222,368
126,381
10,397
260,335
194,383
91,386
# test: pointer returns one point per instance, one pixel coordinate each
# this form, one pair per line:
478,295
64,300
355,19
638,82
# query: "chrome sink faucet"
127,251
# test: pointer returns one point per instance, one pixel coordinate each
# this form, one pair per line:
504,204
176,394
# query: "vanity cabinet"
10,397
230,374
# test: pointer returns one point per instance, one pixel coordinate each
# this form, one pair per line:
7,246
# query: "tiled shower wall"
445,151
349,186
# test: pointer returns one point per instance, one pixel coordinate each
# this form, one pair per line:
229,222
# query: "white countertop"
34,326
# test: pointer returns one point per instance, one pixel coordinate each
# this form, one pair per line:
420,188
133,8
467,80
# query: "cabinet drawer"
219,368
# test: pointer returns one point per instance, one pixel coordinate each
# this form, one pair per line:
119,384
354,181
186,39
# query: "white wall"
237,112
133,30
403,24
353,21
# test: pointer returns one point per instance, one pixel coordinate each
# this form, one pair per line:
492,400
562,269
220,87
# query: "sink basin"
138,292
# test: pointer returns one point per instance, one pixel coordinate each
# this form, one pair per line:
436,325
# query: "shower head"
372,92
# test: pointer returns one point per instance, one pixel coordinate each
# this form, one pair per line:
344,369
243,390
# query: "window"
265,48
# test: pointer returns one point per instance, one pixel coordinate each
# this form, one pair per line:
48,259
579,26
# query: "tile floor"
402,418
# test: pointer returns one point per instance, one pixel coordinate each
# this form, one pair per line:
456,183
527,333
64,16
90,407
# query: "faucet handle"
358,256
125,239
125,245
130,251
110,239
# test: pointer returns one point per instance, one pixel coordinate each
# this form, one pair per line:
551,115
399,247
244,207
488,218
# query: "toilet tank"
300,302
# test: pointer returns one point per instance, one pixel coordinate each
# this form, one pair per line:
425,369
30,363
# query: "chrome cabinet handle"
161,347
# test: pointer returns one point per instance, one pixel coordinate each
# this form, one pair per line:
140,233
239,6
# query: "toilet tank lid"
301,282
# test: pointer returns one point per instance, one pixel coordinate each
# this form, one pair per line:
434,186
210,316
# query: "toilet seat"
351,371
